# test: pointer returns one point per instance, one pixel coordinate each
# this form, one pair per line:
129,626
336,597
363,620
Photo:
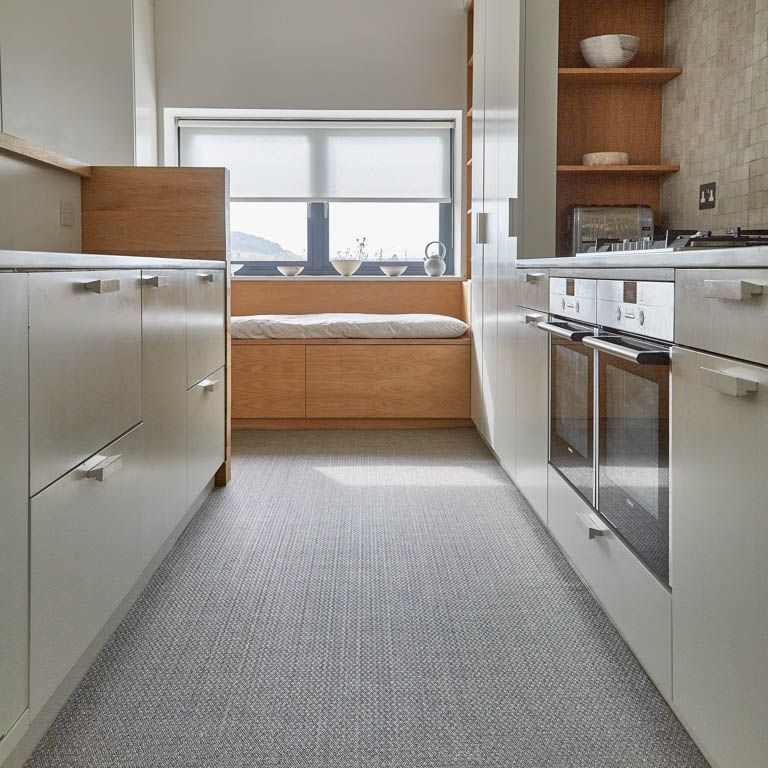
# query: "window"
302,191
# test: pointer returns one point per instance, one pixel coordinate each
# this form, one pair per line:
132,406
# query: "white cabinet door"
719,563
85,557
205,432
14,500
164,363
205,323
85,366
478,216
509,32
532,410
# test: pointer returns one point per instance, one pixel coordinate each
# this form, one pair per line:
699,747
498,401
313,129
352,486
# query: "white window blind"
324,161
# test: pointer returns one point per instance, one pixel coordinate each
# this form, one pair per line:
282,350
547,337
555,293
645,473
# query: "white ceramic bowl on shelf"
605,158
610,50
290,270
346,267
393,270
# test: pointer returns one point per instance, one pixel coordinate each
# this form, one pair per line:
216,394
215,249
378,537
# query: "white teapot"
434,263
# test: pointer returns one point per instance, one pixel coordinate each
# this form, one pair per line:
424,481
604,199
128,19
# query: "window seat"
307,383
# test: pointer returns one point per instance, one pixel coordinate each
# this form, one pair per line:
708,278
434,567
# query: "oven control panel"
641,308
573,298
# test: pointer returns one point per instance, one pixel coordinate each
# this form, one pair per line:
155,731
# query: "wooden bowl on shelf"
605,158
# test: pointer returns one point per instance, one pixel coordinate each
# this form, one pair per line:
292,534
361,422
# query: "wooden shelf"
629,170
626,75
22,148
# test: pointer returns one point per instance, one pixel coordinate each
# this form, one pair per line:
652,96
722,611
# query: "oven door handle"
593,524
563,333
612,345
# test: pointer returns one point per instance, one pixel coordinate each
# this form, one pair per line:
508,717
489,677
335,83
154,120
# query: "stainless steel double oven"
609,405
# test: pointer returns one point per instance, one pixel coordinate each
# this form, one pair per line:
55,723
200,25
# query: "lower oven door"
571,407
633,453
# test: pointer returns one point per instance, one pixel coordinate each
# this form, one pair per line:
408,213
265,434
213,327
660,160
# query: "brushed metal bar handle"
156,281
103,286
639,356
514,217
531,319
594,525
209,385
481,229
206,277
534,277
564,333
733,290
105,468
728,383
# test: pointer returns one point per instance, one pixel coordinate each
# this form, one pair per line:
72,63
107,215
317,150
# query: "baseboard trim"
37,727
350,423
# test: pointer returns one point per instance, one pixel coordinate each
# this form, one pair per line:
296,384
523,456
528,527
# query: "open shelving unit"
610,110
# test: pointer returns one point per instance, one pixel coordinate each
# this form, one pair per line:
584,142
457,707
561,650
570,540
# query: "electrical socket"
66,214
708,196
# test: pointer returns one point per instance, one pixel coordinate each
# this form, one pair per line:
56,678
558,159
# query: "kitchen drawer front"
205,432
85,557
84,365
719,563
723,311
533,288
205,323
637,603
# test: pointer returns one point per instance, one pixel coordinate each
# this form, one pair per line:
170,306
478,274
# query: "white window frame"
172,116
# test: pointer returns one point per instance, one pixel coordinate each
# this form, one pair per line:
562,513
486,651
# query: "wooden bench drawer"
268,381
84,366
381,381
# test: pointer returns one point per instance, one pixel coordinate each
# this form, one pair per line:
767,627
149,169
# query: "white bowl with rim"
610,50
393,270
346,267
290,270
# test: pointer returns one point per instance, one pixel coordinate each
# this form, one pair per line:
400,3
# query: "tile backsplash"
716,113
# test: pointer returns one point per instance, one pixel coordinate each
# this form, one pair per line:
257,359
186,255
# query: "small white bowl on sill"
290,270
346,267
393,270
610,50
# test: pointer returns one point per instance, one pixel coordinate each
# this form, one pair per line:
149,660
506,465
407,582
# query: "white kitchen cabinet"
718,555
164,363
205,432
85,555
205,323
531,409
13,502
84,366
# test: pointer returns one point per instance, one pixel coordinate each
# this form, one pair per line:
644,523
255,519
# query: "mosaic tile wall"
716,113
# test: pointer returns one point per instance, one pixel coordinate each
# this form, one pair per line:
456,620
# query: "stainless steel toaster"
588,223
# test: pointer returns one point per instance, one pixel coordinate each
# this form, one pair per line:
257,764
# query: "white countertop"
28,261
716,258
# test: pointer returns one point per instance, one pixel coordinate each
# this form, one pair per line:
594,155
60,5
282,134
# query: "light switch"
67,215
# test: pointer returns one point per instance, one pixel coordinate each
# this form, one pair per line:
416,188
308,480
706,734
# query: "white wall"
30,196
311,54
67,76
144,86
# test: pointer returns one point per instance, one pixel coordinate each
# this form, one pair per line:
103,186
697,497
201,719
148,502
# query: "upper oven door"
633,454
571,408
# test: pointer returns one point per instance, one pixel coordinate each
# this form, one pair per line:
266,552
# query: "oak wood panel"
169,212
625,75
461,340
580,19
631,170
609,118
21,148
388,381
268,382
351,423
297,297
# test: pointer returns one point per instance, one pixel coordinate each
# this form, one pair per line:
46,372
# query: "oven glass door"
571,435
633,461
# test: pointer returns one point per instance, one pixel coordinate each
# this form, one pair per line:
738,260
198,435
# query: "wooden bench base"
350,383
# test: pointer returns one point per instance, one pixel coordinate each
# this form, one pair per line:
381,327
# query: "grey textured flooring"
366,599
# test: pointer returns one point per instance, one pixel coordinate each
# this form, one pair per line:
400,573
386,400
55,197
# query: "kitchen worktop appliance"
609,406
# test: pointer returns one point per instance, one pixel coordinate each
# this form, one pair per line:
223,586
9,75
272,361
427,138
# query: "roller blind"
324,161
